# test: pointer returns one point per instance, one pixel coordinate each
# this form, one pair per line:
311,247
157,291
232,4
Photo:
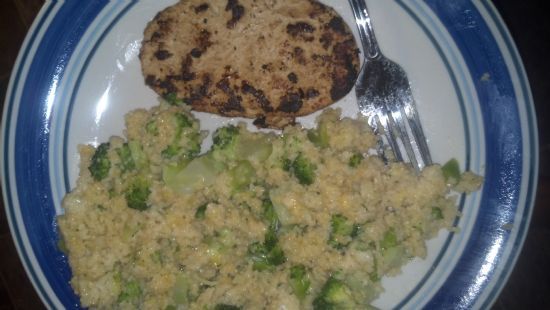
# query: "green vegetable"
219,244
253,149
242,175
201,171
437,213
299,281
172,99
342,231
451,171
174,149
268,254
335,294
389,240
319,136
62,246
394,256
126,161
270,215
226,307
183,121
302,168
157,257
138,155
137,194
130,292
152,128
200,214
182,291
355,160
100,162
225,137
264,257
170,307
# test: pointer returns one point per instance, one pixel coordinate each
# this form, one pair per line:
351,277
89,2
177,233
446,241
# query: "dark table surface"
529,284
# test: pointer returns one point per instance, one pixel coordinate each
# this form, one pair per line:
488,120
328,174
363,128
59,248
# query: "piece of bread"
270,60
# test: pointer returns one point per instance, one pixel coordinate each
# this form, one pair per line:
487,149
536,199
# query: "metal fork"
385,98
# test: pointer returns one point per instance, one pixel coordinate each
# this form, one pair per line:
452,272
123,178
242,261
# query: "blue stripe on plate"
9,199
32,142
504,157
533,151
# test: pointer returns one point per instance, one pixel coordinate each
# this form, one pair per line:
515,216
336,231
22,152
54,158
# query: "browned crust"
307,60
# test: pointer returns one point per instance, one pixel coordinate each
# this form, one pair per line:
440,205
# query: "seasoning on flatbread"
270,60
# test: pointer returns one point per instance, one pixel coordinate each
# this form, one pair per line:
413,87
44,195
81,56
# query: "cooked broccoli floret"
130,292
299,281
265,257
451,171
226,307
335,294
224,137
100,163
342,231
302,168
172,99
137,194
183,121
171,151
194,147
355,160
126,161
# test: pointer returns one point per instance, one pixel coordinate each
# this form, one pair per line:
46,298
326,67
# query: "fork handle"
366,32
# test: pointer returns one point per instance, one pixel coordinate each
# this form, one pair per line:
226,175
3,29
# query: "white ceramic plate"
78,73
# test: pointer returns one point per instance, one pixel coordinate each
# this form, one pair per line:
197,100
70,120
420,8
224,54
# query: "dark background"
529,284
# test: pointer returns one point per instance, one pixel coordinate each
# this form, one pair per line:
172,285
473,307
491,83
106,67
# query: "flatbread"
270,60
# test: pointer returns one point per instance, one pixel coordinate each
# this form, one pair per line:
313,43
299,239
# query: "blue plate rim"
49,8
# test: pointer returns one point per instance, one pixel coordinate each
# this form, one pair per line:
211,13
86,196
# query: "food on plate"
267,60
306,219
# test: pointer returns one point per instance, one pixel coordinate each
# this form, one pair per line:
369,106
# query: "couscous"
306,219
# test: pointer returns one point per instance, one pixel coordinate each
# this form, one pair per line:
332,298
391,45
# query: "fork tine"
397,122
418,133
385,121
